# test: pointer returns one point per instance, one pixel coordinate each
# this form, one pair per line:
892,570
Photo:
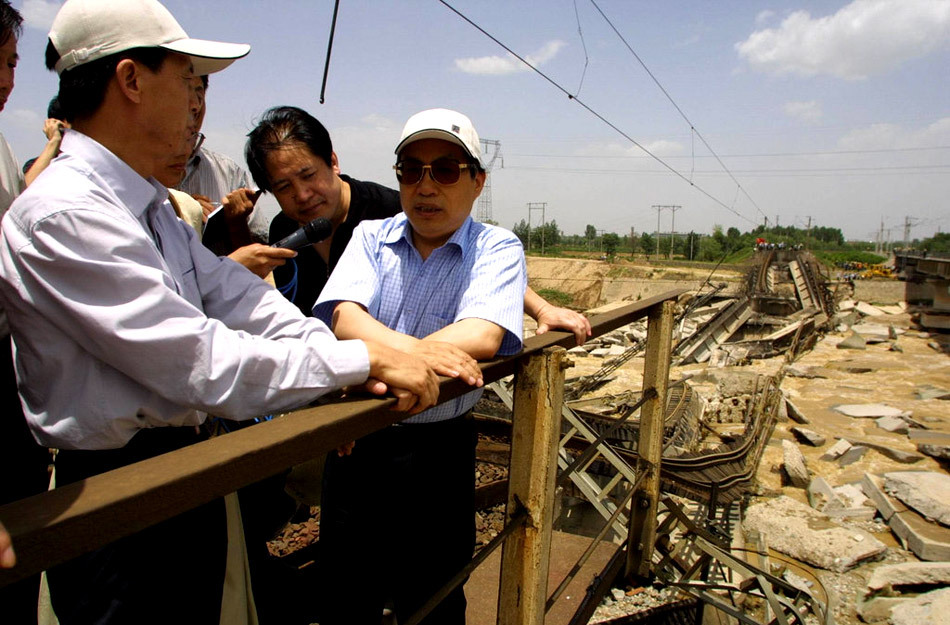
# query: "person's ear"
128,76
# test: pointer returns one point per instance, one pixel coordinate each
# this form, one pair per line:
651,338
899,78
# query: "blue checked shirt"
479,273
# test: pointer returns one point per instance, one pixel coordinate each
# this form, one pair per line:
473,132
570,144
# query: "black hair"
83,88
54,110
279,127
11,22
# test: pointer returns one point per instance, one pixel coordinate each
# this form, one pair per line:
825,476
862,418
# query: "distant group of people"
143,295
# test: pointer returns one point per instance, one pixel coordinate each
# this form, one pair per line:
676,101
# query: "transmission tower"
491,152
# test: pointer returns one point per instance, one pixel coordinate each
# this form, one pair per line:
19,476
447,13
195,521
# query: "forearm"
533,303
479,338
351,321
43,160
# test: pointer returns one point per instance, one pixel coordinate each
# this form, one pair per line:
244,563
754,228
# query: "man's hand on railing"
408,377
555,318
448,360
7,556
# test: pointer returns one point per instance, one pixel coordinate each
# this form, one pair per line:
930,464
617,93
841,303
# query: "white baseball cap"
442,124
86,30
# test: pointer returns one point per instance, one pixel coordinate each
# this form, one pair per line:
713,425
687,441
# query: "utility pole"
633,244
907,227
536,206
673,228
660,207
491,153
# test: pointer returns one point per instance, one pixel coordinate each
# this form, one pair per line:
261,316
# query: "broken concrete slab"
836,451
931,608
794,413
793,463
935,444
810,536
822,497
854,453
927,492
892,424
852,495
809,437
905,457
852,341
846,305
867,309
928,541
893,584
868,411
577,351
929,391
892,577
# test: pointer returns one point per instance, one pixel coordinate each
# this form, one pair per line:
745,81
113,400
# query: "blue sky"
835,113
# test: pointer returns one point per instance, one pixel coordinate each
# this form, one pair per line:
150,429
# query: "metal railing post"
525,556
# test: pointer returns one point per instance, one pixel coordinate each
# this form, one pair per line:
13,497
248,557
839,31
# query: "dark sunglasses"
445,171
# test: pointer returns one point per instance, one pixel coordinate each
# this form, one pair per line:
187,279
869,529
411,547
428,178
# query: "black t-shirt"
368,200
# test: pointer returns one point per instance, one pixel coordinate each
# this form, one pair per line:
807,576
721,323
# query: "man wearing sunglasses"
290,154
397,516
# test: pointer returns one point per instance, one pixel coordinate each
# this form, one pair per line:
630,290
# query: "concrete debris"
936,444
928,492
928,540
793,463
875,333
840,502
600,352
929,391
836,451
889,578
893,424
868,411
846,305
809,373
854,453
853,341
810,536
892,585
868,309
809,437
794,413
905,457
577,351
932,608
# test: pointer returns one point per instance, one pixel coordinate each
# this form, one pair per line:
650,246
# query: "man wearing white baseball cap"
127,331
398,513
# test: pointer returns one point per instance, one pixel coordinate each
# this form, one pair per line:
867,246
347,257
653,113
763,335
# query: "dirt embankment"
595,282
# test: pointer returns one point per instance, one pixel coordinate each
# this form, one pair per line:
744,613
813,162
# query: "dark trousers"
397,522
24,471
171,572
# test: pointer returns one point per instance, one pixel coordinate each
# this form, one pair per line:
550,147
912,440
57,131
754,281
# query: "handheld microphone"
312,232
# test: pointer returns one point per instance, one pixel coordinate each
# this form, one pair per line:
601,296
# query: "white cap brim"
208,57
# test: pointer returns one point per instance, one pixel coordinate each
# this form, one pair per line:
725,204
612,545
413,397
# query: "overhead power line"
610,124
692,127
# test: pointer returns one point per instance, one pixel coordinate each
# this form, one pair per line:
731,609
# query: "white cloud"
662,147
764,16
39,14
864,38
805,111
26,119
893,136
509,64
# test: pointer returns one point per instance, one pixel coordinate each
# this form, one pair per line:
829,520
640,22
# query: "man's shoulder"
370,200
493,235
218,160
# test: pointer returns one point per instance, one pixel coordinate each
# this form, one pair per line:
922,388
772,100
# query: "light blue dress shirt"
479,273
112,334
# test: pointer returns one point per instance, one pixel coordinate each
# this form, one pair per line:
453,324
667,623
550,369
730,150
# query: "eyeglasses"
197,141
445,171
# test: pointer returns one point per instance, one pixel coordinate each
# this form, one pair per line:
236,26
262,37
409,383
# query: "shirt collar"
402,231
134,191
